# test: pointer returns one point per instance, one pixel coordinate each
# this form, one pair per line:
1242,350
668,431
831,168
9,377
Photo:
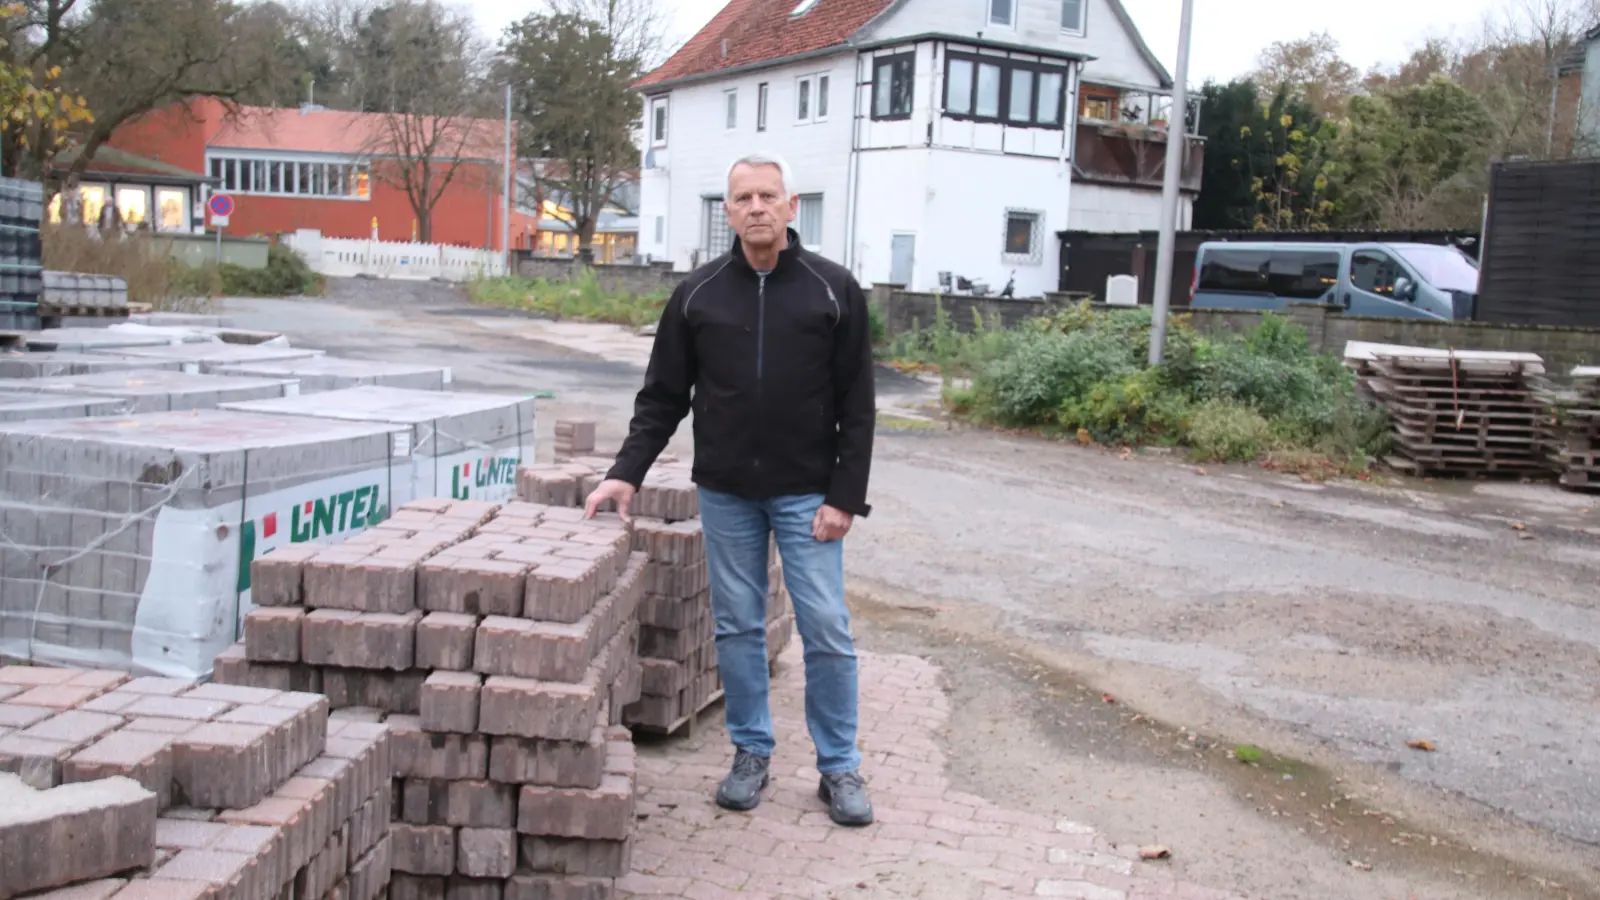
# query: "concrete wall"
200,249
1329,329
631,279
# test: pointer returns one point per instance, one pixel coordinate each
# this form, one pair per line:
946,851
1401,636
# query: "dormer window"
803,7
1002,13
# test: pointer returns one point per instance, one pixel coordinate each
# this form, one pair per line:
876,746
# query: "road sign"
221,206
219,221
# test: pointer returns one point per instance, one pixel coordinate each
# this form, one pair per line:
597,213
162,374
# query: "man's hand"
620,491
830,524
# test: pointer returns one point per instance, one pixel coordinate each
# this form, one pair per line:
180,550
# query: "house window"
1099,104
811,98
716,235
172,209
661,229
133,205
761,106
1002,12
1022,242
892,77
658,122
1072,16
731,102
993,89
93,198
809,223
287,178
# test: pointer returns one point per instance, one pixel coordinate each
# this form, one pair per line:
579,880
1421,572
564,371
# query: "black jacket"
778,372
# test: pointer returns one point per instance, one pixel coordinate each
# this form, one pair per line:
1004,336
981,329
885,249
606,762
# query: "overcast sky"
1228,34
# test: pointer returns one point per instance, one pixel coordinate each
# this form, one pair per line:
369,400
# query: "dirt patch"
1029,734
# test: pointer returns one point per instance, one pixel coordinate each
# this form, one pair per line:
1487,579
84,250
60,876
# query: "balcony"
1122,139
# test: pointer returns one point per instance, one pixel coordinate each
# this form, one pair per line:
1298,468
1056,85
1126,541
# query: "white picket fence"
348,258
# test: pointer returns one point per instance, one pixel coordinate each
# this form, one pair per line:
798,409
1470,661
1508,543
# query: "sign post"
221,206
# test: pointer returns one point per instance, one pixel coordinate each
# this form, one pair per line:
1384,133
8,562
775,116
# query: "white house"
931,139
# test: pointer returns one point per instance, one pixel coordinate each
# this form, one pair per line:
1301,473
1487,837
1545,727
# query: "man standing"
769,345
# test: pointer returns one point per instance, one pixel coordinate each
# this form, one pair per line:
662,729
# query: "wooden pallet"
87,312
685,726
13,340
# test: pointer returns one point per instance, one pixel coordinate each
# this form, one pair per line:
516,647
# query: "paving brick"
276,576
576,856
370,874
480,587
604,813
369,823
269,865
231,667
105,679
450,702
193,709
36,762
73,833
459,887
405,886
161,687
520,707
161,726
335,580
422,849
237,694
525,649
564,592
186,834
291,816
145,757
223,765
22,716
486,852
74,727
228,874
516,760
165,889
419,754
462,803
32,676
114,701
272,634
56,696
100,889
445,641
524,886
395,692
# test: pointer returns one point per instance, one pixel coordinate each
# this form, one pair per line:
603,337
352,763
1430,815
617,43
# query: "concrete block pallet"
327,373
208,355
131,536
498,643
1575,430
154,390
20,407
119,788
677,634
52,364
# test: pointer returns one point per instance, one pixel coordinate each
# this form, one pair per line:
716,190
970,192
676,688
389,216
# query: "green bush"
582,297
1229,398
286,275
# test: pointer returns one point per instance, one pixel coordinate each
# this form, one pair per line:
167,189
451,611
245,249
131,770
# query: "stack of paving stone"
1575,442
499,644
156,390
158,789
574,438
677,633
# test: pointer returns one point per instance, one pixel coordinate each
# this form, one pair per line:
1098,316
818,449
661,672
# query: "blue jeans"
736,535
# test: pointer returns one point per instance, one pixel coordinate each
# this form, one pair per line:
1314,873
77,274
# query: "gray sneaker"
741,790
846,796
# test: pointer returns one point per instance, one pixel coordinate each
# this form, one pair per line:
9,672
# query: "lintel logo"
308,521
498,471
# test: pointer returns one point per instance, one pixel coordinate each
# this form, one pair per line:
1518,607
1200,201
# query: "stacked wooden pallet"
1575,438
1457,412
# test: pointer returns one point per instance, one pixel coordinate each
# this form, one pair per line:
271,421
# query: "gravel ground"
1110,628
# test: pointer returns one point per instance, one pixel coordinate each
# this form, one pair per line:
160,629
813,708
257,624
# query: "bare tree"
1310,69
420,70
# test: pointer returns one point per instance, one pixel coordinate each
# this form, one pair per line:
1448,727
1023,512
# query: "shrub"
285,275
1223,431
141,259
582,297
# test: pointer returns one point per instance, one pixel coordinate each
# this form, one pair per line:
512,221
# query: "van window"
1374,272
1291,274
1241,271
1303,274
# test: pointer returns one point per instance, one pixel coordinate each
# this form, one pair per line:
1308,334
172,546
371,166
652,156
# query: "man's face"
757,208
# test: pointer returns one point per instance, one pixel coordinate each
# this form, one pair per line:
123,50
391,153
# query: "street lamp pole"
1177,151
505,197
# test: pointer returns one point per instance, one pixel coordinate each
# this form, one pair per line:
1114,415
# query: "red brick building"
334,171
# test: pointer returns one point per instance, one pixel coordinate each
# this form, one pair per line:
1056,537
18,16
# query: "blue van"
1411,281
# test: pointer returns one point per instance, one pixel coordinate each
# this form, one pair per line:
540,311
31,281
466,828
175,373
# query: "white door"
902,258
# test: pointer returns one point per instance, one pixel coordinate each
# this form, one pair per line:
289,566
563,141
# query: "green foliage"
286,275
1235,398
1268,165
878,321
583,298
946,348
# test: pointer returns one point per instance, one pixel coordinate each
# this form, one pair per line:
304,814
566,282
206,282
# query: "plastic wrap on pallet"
22,407
462,445
118,341
126,542
154,390
48,364
209,356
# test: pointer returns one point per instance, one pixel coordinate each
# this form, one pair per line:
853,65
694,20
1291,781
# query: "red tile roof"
347,133
757,31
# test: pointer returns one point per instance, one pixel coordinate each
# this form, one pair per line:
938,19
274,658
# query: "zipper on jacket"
761,342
